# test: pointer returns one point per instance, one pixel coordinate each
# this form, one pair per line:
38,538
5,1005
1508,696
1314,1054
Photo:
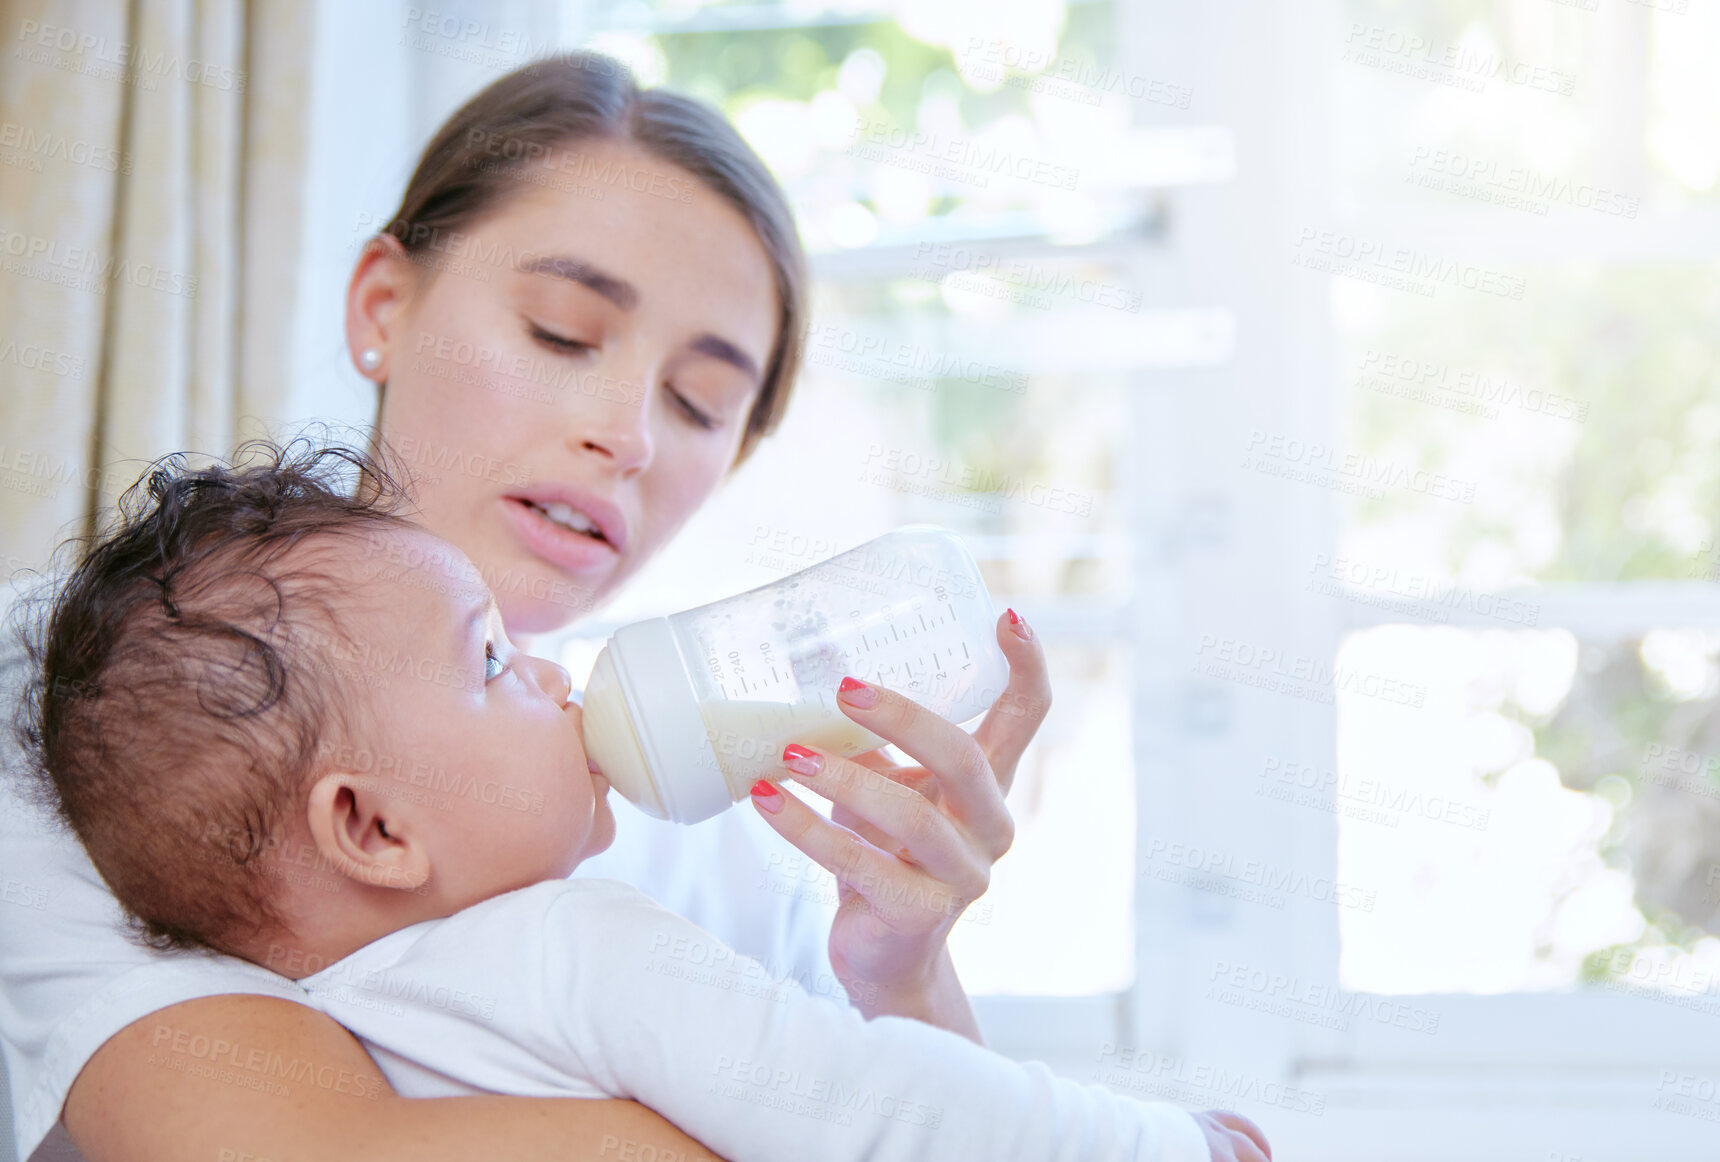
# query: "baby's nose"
552,679
562,686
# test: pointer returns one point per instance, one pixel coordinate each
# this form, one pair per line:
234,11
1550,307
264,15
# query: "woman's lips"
561,547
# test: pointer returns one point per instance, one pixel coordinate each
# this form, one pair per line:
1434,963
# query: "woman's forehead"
614,208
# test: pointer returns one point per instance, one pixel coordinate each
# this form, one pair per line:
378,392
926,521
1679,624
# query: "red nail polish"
857,694
800,760
765,794
1021,628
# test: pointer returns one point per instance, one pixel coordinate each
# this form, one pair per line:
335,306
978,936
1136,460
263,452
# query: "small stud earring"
370,358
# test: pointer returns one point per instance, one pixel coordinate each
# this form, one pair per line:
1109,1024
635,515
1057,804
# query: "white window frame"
1563,1076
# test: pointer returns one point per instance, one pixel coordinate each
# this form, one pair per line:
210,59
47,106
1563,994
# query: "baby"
227,686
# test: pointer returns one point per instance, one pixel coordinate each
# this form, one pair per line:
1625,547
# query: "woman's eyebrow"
719,348
617,290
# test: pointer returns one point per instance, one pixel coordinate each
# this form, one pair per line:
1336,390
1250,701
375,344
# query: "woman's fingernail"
800,760
1021,628
857,694
765,794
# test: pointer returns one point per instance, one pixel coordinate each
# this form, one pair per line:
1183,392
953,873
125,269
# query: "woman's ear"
365,836
382,284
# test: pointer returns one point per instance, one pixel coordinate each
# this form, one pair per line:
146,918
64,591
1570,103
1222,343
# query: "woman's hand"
912,846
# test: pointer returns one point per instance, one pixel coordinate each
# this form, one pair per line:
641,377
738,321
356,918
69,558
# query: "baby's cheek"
601,830
567,817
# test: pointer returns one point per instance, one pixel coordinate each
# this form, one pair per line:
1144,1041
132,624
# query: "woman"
597,294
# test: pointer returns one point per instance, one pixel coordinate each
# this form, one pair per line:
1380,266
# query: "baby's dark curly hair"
177,703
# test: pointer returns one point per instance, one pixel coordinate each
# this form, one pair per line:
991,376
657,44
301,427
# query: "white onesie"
586,988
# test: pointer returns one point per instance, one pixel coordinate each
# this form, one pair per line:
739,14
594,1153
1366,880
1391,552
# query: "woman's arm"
139,1099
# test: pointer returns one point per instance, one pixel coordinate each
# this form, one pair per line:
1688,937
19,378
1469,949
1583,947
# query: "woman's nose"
616,423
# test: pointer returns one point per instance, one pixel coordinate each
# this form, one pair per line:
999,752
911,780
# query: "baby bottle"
683,713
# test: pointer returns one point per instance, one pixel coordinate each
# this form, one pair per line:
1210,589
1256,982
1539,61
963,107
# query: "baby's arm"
758,1069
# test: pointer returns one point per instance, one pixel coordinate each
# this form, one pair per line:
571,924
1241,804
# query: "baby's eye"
493,667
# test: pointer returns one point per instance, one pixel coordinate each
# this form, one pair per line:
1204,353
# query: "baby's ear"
364,835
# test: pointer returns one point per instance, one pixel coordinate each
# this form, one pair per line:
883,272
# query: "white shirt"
585,988
70,977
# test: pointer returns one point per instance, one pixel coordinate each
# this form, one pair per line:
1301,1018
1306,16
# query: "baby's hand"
1232,1137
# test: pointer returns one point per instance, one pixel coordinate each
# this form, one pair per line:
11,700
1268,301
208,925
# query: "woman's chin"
533,598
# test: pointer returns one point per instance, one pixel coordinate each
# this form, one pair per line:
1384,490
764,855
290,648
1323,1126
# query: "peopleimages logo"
1460,389
1514,186
880,357
944,261
1198,1083
1313,462
1397,267
118,60
1461,65
1280,994
1304,676
813,1096
1222,871
22,144
957,158
1407,591
32,357
1367,799
1062,75
82,268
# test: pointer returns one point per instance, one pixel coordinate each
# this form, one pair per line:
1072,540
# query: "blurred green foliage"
1634,488
1634,491
733,69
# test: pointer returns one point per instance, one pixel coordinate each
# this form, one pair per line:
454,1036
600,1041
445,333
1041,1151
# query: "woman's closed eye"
693,412
561,344
558,343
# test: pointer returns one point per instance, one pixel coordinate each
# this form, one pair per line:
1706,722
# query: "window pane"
1534,110
1577,429
876,124
1549,816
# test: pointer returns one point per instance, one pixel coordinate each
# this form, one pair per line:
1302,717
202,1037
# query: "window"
1454,664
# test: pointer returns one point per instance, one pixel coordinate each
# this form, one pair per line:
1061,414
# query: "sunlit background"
1335,387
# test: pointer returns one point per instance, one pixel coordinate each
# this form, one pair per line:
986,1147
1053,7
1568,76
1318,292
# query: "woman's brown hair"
477,155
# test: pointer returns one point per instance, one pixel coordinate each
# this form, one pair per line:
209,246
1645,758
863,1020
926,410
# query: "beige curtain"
151,164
